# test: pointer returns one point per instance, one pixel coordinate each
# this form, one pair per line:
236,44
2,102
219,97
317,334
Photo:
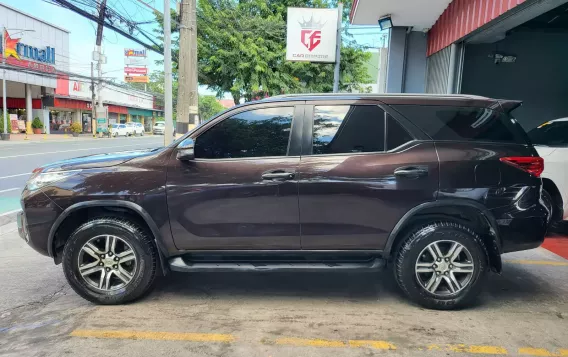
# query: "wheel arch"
112,207
456,210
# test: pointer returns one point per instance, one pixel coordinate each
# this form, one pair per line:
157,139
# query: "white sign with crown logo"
311,35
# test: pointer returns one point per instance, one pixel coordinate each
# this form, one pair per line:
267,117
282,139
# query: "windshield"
550,133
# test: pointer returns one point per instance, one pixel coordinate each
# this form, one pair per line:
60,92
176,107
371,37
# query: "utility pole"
337,49
93,102
5,111
168,130
99,57
187,103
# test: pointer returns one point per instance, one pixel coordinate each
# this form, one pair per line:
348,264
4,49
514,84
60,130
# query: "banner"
136,70
311,35
136,79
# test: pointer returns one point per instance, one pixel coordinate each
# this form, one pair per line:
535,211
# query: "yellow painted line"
306,342
541,352
377,345
538,262
478,349
158,336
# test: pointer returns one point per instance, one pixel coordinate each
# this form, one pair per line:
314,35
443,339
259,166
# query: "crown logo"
311,24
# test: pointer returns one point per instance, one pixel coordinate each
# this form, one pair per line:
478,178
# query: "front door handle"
411,171
278,175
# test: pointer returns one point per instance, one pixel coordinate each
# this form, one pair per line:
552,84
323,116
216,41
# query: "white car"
159,128
130,128
118,130
551,141
137,129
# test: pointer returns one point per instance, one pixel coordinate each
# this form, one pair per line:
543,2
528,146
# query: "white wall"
113,95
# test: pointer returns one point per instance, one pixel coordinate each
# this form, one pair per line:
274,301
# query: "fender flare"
111,203
444,203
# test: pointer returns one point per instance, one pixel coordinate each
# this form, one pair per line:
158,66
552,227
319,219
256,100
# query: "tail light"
530,164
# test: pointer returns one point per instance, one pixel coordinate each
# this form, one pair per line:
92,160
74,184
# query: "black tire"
139,240
413,245
554,225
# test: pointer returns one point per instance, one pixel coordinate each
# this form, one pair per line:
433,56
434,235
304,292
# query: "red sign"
34,66
136,70
311,38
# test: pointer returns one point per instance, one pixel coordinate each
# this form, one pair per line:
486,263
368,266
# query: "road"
522,312
18,159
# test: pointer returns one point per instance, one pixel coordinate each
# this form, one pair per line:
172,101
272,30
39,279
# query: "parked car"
159,128
438,187
551,141
119,130
137,129
130,128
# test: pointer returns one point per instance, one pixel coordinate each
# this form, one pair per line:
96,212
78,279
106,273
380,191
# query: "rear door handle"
278,175
411,171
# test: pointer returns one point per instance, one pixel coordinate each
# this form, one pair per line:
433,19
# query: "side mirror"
185,150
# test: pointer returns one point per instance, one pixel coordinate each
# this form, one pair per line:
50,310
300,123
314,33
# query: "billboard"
311,35
136,79
136,70
136,62
131,52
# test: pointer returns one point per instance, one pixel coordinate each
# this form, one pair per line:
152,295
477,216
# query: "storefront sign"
136,70
311,34
136,61
136,79
16,54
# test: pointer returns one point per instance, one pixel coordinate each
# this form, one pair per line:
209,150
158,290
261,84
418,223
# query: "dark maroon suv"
438,187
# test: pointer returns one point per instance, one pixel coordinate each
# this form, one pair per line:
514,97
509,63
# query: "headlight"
43,179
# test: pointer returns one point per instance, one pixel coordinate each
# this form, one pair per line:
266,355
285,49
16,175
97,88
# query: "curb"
8,221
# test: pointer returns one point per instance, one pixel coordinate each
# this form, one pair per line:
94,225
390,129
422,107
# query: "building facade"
511,49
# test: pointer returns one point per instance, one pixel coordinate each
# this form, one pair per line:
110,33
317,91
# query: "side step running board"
178,264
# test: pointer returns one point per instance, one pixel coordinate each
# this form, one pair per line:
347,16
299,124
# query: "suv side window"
255,133
463,123
339,129
396,134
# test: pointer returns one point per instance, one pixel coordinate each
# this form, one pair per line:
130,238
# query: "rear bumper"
521,229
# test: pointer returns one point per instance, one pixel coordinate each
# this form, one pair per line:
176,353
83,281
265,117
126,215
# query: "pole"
101,22
168,130
4,109
184,69
193,94
337,49
93,102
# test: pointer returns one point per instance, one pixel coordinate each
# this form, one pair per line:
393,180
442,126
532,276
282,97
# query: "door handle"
411,171
278,175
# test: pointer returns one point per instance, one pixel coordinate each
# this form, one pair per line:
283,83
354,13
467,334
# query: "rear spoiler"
510,105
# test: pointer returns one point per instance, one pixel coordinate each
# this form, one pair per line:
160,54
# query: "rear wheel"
441,265
110,261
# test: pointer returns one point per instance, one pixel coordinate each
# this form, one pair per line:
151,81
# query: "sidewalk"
23,138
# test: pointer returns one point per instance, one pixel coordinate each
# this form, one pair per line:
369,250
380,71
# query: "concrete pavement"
18,159
522,312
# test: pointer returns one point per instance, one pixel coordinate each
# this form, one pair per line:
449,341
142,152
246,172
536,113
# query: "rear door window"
396,134
342,129
464,123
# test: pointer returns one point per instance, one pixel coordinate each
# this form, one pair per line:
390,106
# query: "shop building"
35,51
511,49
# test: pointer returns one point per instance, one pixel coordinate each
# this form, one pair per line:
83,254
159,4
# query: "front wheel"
441,265
110,261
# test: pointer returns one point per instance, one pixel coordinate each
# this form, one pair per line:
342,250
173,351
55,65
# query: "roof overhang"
421,15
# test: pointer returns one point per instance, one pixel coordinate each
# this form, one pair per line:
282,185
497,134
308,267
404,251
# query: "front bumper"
35,221
22,226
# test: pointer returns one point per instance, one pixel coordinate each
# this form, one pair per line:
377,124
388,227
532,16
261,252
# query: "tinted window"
348,129
122,126
464,123
256,133
550,134
397,135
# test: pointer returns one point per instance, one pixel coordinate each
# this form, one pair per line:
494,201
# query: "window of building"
348,129
255,133
463,123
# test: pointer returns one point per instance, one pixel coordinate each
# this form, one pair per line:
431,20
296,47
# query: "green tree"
242,45
208,107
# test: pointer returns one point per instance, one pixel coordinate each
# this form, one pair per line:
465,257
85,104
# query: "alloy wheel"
444,268
107,262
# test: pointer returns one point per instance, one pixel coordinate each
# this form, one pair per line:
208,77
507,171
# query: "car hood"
96,161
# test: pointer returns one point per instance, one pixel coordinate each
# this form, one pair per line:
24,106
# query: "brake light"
532,165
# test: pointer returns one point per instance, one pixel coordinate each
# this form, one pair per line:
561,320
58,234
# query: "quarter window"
348,129
255,133
397,135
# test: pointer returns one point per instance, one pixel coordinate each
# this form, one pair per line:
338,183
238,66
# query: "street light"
5,110
385,22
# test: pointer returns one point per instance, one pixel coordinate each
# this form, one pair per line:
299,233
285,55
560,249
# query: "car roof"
397,99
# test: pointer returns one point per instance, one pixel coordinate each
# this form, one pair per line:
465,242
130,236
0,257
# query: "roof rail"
375,95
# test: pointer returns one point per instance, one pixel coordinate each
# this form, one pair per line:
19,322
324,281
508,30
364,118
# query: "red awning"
71,104
117,109
20,103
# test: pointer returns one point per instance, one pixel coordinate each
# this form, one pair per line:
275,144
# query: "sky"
83,31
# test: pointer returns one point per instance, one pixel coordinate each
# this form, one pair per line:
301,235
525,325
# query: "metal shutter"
438,71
